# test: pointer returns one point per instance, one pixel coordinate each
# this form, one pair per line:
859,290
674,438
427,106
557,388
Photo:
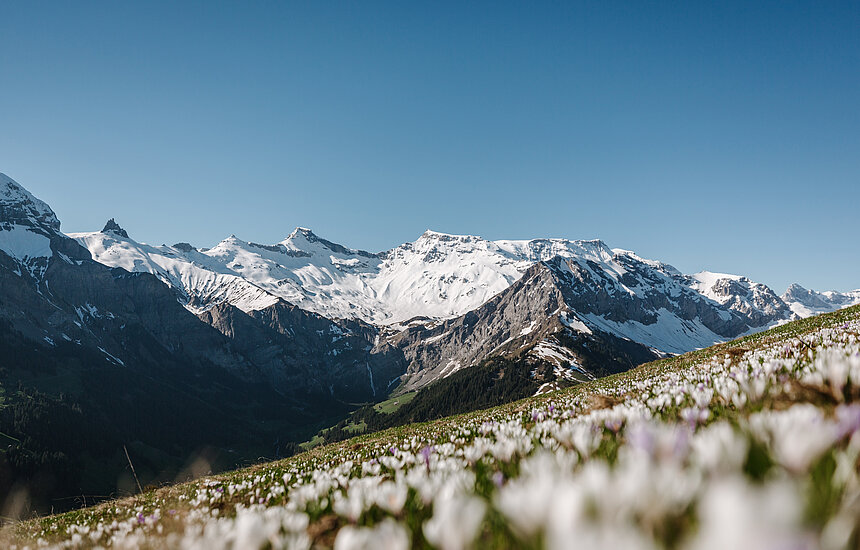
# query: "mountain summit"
112,227
19,206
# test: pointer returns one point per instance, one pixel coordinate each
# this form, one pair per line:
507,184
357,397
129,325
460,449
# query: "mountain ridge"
437,276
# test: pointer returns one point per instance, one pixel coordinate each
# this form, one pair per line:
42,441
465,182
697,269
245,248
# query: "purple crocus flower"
425,453
498,479
848,417
613,424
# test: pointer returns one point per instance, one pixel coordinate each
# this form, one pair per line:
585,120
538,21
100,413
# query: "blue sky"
721,136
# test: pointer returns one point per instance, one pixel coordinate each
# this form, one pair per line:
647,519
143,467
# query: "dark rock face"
302,353
311,237
112,227
184,247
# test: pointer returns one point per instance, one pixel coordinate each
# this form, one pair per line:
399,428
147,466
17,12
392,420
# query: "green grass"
315,441
391,405
352,427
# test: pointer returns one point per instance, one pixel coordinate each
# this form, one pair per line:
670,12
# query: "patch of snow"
565,363
669,334
113,358
574,323
528,330
452,367
547,387
28,247
435,338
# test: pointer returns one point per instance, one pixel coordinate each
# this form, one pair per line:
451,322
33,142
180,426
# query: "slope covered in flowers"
750,444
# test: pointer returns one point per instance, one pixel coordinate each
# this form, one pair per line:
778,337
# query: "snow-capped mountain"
27,226
754,300
437,276
809,302
200,281
590,319
440,276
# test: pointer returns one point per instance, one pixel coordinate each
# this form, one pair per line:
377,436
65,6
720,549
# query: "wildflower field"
750,444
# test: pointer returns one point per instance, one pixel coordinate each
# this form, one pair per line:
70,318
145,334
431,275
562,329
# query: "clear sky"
710,135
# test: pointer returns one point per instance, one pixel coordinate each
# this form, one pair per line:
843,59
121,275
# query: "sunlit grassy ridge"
743,444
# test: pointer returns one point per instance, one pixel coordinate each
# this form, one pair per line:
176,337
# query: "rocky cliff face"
302,353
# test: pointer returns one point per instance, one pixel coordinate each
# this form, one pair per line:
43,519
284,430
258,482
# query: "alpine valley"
183,359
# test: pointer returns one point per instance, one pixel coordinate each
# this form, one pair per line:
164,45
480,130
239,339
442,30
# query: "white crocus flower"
455,522
796,436
387,535
734,514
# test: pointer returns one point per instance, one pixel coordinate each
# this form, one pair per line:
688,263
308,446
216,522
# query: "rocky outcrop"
112,227
19,207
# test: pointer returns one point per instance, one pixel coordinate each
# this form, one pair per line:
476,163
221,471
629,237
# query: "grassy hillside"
748,444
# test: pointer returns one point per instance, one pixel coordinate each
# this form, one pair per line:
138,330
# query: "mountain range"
240,350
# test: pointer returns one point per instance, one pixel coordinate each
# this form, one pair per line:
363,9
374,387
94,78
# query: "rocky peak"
112,227
184,247
19,206
797,293
430,235
305,233
301,238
